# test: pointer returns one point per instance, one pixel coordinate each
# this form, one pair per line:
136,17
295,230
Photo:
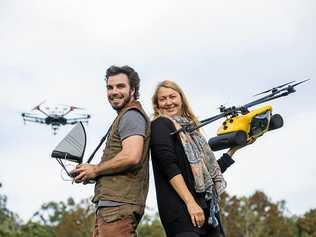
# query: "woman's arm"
162,147
164,156
226,160
195,211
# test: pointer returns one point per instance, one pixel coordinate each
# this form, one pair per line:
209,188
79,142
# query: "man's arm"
132,132
131,155
128,157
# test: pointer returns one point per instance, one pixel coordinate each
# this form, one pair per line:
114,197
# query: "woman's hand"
196,213
232,150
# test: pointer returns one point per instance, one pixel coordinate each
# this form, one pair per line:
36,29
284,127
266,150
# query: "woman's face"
169,102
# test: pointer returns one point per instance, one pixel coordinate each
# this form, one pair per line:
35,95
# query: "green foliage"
307,223
54,219
8,220
77,222
150,226
34,229
52,213
68,219
253,216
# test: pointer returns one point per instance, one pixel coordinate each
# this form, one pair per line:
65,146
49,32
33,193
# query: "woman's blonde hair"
186,108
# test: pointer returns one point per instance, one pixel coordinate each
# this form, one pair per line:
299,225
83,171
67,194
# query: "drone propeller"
300,82
37,107
71,107
274,89
275,93
75,107
290,88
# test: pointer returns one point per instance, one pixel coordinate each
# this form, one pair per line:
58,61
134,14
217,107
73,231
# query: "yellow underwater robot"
239,129
241,124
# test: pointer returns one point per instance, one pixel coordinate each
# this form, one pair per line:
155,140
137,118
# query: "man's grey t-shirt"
132,123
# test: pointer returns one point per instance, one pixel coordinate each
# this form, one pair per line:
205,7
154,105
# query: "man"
122,175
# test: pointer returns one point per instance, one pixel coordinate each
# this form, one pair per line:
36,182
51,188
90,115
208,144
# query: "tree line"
252,216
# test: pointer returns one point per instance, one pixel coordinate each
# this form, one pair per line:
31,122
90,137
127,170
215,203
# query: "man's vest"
130,186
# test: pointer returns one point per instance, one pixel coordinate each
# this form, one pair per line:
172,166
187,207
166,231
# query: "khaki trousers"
120,221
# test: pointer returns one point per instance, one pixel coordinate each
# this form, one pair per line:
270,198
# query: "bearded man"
122,175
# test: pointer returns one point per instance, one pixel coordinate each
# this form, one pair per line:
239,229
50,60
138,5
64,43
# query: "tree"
307,223
150,226
78,221
35,229
255,216
8,220
68,219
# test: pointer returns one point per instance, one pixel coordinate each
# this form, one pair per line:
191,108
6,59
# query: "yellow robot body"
254,123
238,129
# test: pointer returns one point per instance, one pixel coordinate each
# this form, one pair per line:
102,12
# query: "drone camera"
276,122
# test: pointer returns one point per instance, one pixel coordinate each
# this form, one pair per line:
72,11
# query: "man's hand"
84,172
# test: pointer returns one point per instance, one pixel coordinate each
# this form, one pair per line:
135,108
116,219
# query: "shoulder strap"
99,145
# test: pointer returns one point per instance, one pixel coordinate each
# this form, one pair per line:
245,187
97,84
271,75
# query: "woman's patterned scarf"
206,171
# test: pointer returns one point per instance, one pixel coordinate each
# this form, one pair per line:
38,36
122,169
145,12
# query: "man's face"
119,91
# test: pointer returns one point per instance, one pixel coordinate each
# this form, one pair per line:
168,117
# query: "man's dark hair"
132,75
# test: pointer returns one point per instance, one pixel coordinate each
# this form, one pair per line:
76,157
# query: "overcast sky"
220,52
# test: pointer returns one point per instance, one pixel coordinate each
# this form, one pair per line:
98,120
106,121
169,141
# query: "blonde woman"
188,178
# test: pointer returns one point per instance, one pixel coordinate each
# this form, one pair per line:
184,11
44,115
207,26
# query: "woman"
188,178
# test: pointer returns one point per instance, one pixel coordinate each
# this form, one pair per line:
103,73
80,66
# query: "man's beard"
125,102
